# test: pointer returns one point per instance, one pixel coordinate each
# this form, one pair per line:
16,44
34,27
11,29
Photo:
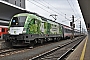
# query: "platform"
82,52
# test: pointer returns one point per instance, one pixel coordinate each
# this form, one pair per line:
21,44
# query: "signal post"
72,26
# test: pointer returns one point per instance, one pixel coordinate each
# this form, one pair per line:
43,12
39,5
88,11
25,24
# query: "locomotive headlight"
24,30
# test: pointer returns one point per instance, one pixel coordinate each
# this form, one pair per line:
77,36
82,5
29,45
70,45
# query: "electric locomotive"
26,29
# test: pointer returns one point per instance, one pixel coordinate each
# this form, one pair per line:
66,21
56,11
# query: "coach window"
67,30
3,30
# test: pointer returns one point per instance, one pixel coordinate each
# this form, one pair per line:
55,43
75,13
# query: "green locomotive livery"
26,28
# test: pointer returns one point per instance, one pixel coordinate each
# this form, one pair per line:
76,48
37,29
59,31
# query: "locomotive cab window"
18,21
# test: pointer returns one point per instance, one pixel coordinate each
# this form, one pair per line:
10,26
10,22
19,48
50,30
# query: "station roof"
7,10
85,9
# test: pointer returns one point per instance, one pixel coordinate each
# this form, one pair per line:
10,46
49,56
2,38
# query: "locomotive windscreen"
18,21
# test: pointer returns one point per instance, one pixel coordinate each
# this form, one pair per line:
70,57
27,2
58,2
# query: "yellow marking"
83,52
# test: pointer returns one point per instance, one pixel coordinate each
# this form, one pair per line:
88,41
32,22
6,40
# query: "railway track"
3,52
60,52
6,52
9,51
39,52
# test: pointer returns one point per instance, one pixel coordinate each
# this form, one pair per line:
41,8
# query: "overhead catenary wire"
74,7
75,10
71,7
62,12
51,6
51,9
77,19
47,7
55,9
40,7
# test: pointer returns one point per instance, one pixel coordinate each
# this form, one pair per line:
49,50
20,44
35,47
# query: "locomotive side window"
67,30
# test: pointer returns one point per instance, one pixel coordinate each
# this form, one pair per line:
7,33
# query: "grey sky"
58,7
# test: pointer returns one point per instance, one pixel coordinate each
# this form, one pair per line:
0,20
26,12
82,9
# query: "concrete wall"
20,3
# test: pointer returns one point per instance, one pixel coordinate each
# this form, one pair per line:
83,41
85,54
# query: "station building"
20,3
